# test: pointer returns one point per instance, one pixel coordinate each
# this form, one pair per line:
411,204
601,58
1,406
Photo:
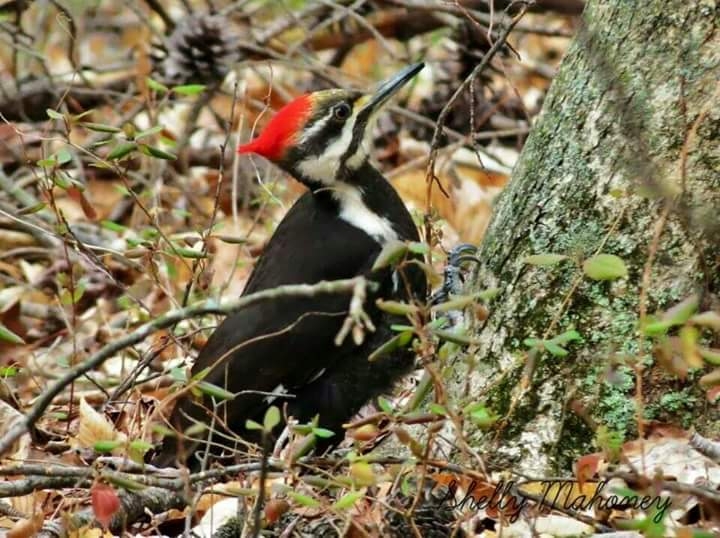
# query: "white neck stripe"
354,211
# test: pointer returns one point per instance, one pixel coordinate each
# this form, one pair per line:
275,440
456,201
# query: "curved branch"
162,322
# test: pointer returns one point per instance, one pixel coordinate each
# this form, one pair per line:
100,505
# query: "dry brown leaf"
25,528
94,427
412,187
9,416
362,60
105,195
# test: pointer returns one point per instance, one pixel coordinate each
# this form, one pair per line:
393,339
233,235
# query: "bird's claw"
453,278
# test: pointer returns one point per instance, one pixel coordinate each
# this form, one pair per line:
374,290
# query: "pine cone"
202,50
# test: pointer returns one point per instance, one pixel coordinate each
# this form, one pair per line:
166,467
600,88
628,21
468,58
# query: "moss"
613,116
616,406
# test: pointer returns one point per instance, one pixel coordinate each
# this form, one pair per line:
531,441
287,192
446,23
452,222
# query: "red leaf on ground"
105,502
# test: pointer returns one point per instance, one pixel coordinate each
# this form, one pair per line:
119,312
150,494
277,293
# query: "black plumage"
291,339
287,345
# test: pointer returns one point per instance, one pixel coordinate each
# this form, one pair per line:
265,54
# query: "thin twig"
162,322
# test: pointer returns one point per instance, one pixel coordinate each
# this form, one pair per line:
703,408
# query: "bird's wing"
286,341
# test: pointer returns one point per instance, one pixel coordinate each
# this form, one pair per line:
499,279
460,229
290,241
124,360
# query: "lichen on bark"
630,124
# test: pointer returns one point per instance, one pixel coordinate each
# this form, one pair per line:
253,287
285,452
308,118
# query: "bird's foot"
453,274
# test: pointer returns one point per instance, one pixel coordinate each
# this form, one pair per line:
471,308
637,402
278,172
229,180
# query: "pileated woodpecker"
282,351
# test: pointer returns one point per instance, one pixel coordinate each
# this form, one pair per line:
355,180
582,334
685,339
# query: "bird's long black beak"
390,87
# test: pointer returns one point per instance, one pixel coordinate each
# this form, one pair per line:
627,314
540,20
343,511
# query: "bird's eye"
342,111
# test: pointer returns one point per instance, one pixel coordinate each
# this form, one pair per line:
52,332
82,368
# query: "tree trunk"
624,160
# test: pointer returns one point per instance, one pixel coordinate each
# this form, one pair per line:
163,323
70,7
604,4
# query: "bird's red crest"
280,132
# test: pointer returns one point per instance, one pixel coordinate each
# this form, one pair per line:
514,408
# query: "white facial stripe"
355,160
319,126
322,168
354,211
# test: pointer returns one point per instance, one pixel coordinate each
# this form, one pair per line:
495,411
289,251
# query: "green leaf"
32,209
455,337
63,156
544,260
8,336
555,349
323,433
438,323
100,143
271,419
189,89
252,425
164,431
47,163
710,355
122,150
437,409
568,336
125,483
129,130
66,299
348,500
157,153
61,180
78,117
214,391
480,415
156,86
385,405
417,247
100,128
182,213
392,252
106,446
397,341
303,500
187,252
406,486
396,307
178,374
302,429
150,131
122,189
113,226
139,446
605,267
196,429
171,269
681,312
231,239
54,114
656,327
456,303
9,371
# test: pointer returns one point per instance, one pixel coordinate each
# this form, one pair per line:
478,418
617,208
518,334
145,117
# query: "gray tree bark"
624,160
